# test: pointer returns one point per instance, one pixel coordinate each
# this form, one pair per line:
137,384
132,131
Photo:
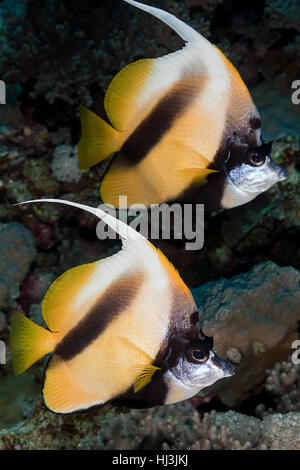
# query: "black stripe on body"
152,129
183,330
182,316
210,194
112,303
236,140
154,394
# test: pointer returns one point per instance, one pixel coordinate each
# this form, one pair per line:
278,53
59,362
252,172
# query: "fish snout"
282,174
227,368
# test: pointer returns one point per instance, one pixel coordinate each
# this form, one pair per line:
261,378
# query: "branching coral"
218,431
64,164
171,427
282,432
283,384
277,42
283,13
83,45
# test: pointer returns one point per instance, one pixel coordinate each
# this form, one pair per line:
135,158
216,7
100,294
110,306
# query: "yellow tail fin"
98,139
29,342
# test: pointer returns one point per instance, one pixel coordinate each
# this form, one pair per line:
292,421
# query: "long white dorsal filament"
125,232
182,29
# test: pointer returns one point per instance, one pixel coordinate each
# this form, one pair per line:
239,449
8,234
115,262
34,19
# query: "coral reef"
171,427
283,14
283,384
246,313
34,287
17,251
279,115
282,432
89,49
64,165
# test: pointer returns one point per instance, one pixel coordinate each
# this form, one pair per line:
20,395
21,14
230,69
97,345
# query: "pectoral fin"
196,176
144,377
63,392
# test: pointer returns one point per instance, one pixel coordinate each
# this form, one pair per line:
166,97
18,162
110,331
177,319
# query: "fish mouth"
226,366
282,173
230,370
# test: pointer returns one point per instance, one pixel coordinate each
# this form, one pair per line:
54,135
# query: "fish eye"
256,159
198,355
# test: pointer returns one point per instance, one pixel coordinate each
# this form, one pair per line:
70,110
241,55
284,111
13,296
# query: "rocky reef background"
246,279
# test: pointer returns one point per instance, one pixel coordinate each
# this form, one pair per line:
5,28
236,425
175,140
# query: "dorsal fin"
127,233
185,31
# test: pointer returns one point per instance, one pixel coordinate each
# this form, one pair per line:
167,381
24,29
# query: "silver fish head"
199,366
249,172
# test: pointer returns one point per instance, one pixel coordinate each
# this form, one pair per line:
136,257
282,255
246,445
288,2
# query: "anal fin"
63,392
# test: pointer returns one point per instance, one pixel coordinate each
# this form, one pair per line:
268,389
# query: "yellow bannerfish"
123,330
183,127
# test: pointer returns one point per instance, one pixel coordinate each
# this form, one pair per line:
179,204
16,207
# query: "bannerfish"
183,128
123,330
